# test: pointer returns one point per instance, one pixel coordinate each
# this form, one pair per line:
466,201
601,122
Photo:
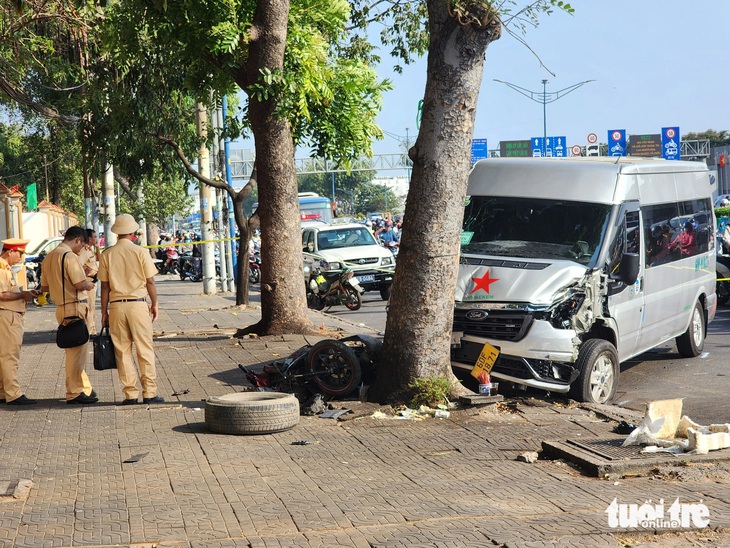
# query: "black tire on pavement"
385,291
691,342
335,366
251,413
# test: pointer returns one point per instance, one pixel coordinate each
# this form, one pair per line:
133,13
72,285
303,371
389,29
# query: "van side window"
675,231
628,240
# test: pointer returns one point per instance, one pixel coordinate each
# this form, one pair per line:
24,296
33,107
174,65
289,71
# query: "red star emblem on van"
483,283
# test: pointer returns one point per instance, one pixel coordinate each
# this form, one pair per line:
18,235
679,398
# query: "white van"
570,266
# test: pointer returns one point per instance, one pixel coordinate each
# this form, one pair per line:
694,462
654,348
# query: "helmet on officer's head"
656,231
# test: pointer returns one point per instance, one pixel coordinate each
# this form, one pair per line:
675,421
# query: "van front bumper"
543,359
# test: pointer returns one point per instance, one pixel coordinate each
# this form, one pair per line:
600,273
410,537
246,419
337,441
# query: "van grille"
360,262
502,325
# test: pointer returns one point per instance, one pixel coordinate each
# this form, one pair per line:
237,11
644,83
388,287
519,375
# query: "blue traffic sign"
617,142
549,147
478,150
670,143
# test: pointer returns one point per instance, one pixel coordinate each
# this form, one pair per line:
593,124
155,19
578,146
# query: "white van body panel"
517,289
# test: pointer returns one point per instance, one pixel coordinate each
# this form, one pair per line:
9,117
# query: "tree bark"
418,329
283,299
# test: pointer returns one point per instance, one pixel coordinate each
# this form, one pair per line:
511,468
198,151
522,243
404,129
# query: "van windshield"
531,228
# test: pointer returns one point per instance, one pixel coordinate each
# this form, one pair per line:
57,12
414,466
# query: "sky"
656,63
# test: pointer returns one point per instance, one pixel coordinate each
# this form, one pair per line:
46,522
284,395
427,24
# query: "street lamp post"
544,98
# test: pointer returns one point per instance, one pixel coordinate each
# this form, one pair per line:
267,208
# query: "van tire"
692,341
251,413
599,371
385,291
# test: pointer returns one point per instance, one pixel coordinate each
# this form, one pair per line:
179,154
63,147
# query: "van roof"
584,179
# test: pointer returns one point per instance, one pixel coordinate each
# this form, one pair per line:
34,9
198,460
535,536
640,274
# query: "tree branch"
22,98
124,185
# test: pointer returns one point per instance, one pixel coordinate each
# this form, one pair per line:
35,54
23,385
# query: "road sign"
478,150
670,143
647,146
576,150
514,148
617,142
553,147
592,138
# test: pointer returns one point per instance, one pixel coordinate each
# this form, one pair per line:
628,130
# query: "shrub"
430,391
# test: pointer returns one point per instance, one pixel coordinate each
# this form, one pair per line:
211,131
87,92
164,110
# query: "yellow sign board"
485,361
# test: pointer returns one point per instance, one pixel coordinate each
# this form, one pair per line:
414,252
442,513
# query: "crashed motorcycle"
334,368
333,288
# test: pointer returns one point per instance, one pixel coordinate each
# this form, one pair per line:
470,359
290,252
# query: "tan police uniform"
87,258
126,267
11,331
72,303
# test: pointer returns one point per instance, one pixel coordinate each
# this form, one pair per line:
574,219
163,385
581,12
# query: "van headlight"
334,265
386,261
561,314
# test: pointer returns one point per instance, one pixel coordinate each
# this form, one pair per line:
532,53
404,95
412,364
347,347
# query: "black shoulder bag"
73,331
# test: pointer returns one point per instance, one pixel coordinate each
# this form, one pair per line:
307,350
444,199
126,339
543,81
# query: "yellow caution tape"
175,244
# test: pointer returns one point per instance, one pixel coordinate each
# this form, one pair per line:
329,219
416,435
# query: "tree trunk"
418,328
283,299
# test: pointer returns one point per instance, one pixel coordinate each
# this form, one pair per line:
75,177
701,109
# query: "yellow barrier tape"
174,244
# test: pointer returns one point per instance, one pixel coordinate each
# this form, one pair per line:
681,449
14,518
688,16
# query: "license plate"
369,278
485,361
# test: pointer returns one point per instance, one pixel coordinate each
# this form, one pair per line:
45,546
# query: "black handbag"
103,350
73,331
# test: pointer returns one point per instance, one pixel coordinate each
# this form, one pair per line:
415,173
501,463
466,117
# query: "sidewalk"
361,482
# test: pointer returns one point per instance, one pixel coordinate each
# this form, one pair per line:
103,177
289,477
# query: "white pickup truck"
354,246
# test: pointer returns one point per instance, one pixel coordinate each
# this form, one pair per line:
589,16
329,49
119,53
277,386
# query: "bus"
312,207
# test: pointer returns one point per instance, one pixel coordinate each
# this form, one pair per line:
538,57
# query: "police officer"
127,276
89,259
72,302
12,310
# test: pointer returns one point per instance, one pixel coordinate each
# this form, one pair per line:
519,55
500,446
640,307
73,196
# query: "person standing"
127,276
69,294
13,303
89,259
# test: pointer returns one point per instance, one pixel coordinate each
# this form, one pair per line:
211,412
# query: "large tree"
302,88
418,328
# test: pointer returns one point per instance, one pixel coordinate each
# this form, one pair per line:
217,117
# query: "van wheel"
692,341
251,413
599,371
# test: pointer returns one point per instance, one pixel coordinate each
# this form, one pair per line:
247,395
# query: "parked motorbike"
331,367
190,267
722,287
333,288
168,260
32,274
254,268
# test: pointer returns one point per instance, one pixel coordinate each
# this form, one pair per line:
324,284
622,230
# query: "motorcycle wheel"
385,291
723,291
254,275
182,275
335,367
353,299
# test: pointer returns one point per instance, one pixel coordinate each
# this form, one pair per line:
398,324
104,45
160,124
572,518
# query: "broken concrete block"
702,443
684,423
671,410
528,456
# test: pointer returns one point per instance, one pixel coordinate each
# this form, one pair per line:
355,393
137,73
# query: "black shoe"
156,399
2,400
130,401
93,394
22,400
83,399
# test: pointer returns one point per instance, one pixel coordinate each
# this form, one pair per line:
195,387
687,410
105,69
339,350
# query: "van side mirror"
629,268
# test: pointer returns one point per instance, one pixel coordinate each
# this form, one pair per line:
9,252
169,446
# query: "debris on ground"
666,429
528,457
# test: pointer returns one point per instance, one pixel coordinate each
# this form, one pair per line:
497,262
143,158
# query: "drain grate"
610,449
